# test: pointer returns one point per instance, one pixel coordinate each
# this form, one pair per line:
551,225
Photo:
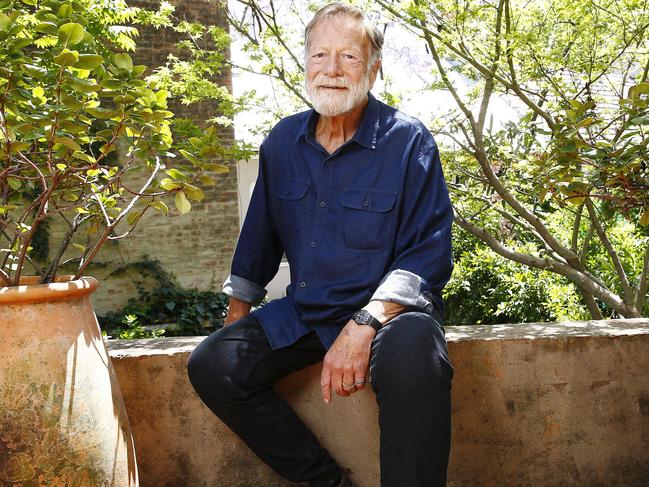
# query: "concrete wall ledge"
533,404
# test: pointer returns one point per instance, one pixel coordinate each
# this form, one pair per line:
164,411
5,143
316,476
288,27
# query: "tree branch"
579,278
643,283
615,259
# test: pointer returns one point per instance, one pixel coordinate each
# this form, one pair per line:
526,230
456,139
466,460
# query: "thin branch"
643,283
65,242
582,280
489,83
109,229
615,259
575,229
591,304
446,81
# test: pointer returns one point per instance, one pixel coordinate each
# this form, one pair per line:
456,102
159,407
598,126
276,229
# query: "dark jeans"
233,371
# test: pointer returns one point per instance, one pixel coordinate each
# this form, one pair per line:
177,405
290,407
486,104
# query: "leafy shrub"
176,310
487,289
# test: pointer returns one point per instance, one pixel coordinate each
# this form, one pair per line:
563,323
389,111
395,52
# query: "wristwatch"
363,317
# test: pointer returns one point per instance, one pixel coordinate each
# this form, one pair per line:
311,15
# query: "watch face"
363,317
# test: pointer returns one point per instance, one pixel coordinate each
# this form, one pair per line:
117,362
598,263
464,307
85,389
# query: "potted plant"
86,140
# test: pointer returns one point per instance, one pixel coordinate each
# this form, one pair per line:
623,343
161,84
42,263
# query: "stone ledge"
533,404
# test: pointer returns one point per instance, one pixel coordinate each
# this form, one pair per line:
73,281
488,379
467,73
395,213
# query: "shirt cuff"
406,288
243,289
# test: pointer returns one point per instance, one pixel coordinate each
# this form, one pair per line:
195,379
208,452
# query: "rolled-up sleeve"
259,252
423,259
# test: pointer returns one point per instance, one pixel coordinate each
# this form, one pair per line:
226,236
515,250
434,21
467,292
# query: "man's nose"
332,66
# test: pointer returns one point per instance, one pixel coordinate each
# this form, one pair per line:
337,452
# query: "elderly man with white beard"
352,193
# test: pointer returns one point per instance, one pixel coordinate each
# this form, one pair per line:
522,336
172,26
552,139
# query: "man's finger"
359,381
325,384
347,383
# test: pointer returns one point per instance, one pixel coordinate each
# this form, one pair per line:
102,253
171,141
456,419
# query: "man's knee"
213,372
410,353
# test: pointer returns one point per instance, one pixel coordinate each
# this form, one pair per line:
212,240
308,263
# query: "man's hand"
237,309
346,361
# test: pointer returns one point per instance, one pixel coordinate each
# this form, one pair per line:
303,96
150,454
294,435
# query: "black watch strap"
364,317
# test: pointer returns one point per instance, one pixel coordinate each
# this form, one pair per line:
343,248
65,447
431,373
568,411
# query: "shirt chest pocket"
291,189
367,218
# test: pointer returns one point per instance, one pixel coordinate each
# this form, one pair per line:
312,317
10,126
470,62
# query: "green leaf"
21,43
49,28
170,184
84,157
32,70
193,193
14,183
160,205
124,99
93,172
206,180
66,58
182,204
176,174
5,22
71,34
217,168
19,146
123,61
100,112
639,89
73,126
72,196
69,143
190,157
639,121
83,85
77,245
133,217
65,11
61,167
644,219
89,61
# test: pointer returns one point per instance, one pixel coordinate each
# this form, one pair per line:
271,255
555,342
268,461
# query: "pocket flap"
291,189
368,199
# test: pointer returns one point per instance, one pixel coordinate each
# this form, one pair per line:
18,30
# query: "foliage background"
540,108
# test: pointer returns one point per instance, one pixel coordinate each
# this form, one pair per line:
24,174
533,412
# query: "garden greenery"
563,187
86,138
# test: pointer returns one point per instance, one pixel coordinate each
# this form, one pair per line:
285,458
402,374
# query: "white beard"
331,103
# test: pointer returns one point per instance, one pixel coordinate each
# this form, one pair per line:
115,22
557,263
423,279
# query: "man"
352,193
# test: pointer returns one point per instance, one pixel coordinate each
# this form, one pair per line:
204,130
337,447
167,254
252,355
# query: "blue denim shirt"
370,221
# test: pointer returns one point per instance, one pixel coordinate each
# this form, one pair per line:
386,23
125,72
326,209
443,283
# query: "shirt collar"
365,135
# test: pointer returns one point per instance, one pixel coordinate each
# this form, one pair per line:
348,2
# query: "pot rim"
64,287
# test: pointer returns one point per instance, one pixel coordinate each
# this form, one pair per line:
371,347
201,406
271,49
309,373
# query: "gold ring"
348,387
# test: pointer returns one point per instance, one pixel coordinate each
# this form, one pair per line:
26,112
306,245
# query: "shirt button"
366,203
303,284
313,244
323,204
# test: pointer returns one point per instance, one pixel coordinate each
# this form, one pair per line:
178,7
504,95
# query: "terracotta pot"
62,416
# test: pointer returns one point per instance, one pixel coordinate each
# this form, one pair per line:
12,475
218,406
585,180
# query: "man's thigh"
241,351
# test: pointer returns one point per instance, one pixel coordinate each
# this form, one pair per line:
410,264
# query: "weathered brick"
195,247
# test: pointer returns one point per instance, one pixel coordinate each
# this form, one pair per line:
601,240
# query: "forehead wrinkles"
350,33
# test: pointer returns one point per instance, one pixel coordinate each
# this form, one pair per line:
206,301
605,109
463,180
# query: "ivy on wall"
163,305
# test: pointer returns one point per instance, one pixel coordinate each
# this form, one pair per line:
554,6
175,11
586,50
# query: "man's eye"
318,55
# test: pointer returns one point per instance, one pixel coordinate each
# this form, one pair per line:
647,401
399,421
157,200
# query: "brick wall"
196,247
